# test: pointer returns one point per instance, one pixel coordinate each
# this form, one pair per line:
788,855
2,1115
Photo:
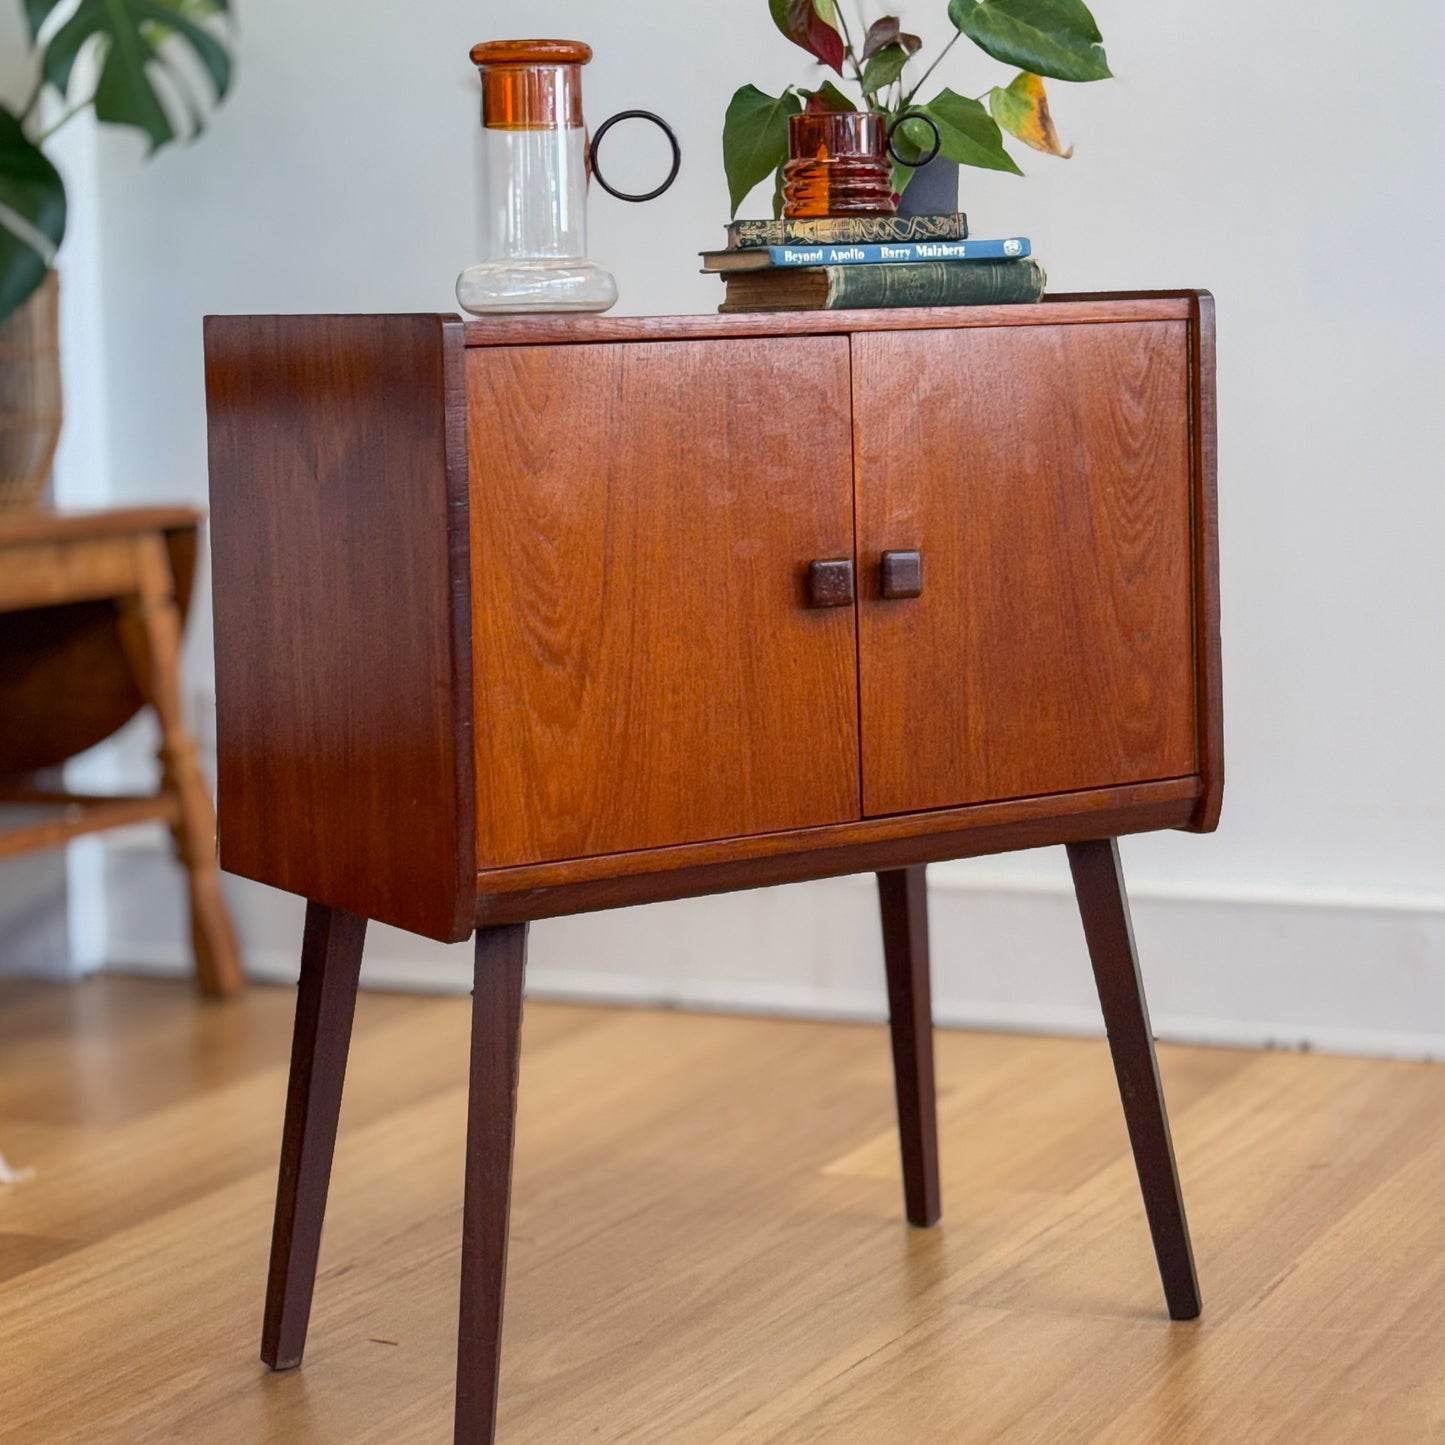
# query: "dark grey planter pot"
933,191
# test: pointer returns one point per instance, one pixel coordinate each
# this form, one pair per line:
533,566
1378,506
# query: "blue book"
1011,248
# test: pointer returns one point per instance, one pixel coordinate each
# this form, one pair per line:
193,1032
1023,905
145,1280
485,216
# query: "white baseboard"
1337,974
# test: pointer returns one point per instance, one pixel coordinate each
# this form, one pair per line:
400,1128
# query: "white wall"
1284,156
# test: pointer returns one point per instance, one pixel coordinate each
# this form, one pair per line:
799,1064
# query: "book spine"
900,252
845,230
934,283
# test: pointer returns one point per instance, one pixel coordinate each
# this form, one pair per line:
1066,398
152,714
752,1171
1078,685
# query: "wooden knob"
900,574
830,583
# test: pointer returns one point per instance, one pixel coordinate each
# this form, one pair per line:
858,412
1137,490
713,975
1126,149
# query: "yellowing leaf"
1022,109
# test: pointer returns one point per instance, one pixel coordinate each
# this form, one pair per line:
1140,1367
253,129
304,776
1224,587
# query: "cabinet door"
1043,474
646,668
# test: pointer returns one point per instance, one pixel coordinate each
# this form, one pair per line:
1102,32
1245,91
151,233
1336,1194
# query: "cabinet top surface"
562,329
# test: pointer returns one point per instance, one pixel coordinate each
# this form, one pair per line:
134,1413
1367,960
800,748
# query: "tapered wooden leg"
325,1007
150,632
1104,907
903,895
492,1111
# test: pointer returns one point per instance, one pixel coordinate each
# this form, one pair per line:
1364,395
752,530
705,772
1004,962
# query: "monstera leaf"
1046,37
32,215
131,38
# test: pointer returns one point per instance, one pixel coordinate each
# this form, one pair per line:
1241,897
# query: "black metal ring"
930,123
635,115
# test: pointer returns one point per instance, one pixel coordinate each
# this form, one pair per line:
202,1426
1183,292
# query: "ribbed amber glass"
839,166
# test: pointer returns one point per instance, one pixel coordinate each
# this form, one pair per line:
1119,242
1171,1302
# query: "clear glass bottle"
534,184
536,161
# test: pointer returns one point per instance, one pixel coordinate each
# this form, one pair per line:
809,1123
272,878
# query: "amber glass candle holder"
840,163
838,166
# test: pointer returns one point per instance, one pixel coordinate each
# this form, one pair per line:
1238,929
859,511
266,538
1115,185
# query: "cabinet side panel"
339,546
1208,659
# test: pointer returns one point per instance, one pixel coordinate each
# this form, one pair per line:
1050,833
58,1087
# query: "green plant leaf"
827,98
130,36
778,200
1022,109
884,68
967,133
32,195
755,138
1047,37
910,145
809,23
888,31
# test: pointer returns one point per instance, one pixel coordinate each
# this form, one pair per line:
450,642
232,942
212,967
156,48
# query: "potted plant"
1055,39
130,60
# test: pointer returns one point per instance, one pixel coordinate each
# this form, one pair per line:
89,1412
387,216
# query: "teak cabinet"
527,617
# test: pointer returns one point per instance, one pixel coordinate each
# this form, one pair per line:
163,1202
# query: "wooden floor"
707,1242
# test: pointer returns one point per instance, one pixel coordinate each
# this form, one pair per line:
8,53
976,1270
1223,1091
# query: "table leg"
325,1007
151,634
903,896
501,957
1104,907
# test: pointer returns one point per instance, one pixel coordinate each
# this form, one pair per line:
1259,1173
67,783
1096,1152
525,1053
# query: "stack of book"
849,262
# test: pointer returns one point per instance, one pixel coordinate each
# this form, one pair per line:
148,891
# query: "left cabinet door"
647,668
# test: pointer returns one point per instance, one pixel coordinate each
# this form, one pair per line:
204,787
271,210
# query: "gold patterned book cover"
844,230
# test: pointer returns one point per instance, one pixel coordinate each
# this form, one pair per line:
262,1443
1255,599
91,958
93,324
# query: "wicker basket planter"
30,410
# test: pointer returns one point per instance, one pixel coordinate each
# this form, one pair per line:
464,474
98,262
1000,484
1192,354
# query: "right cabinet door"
1042,473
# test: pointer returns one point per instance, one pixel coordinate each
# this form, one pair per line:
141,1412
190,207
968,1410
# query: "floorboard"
707,1243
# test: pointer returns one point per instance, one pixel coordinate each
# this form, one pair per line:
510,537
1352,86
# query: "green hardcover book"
846,230
846,288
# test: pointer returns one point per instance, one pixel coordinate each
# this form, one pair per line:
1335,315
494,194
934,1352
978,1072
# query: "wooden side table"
527,617
91,606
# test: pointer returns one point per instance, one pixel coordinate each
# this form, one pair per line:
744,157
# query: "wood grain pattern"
581,330
647,670
1104,909
501,962
903,904
91,613
707,1245
331,952
1045,473
26,826
1210,664
339,541
150,634
45,574
511,895
34,525
65,684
